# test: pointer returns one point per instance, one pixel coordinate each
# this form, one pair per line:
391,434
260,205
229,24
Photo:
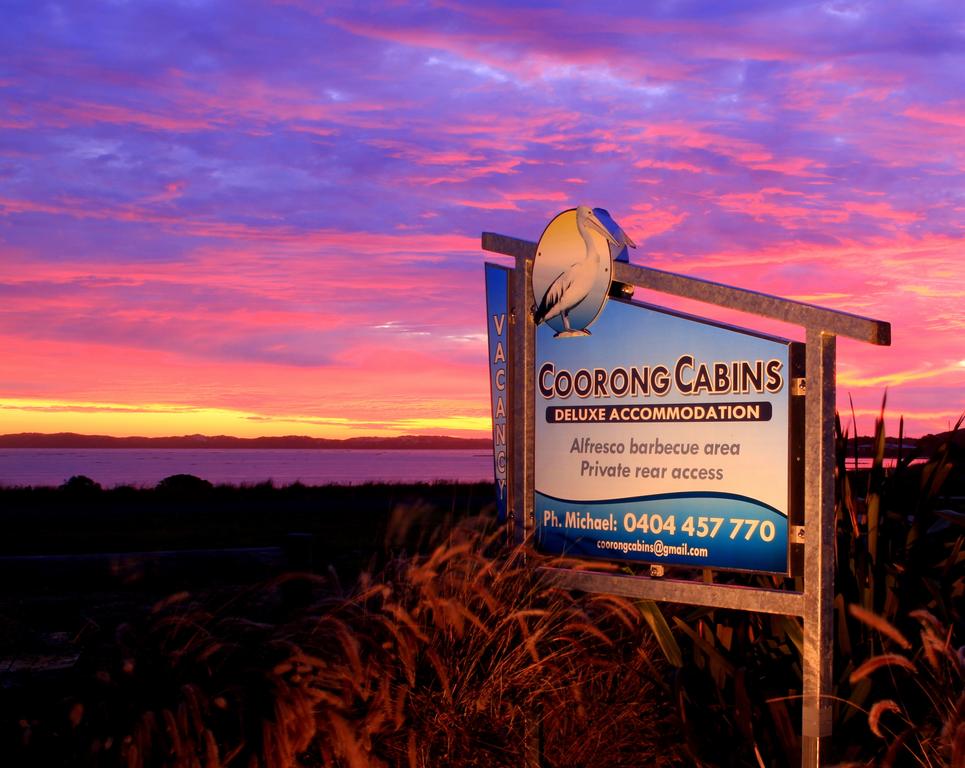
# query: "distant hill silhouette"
925,445
930,443
73,440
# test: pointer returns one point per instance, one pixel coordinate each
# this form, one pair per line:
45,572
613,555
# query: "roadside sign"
686,410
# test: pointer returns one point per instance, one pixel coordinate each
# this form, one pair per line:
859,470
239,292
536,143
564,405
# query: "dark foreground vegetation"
413,636
899,658
444,648
339,526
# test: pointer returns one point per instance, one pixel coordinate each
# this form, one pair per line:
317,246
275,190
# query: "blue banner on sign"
497,298
689,529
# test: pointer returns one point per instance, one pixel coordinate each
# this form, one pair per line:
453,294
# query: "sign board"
697,412
497,297
665,439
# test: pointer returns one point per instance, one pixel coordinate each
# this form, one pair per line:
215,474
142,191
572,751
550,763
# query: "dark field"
345,524
389,625
77,560
355,626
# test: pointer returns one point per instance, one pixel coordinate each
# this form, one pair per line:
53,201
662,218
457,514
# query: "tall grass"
922,719
899,661
901,568
460,657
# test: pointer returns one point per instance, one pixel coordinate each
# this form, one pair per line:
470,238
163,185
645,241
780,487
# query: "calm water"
128,466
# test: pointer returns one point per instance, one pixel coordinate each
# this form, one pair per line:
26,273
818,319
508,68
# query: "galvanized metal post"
529,396
522,405
819,542
517,465
524,432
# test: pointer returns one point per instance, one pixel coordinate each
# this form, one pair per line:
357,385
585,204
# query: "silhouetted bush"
80,484
183,484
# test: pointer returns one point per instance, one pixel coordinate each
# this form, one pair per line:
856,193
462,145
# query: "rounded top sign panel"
572,272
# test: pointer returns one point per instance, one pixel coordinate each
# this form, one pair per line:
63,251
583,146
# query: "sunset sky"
263,218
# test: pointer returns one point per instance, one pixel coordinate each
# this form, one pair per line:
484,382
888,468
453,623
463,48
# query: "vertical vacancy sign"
665,439
497,296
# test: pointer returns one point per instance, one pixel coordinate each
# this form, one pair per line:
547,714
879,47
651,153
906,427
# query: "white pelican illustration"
574,283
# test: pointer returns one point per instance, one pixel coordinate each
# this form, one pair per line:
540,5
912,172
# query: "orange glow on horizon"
166,420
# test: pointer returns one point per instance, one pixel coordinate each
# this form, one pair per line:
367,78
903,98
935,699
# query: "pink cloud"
645,222
670,166
746,152
85,113
952,115
881,210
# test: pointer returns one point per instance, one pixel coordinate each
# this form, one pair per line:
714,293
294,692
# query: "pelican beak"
598,226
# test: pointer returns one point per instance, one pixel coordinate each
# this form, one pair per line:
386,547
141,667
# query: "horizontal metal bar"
676,591
807,315
763,304
508,246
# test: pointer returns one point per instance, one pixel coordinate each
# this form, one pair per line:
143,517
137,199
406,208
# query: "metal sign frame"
815,603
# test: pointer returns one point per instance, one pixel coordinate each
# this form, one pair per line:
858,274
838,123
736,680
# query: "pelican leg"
566,320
